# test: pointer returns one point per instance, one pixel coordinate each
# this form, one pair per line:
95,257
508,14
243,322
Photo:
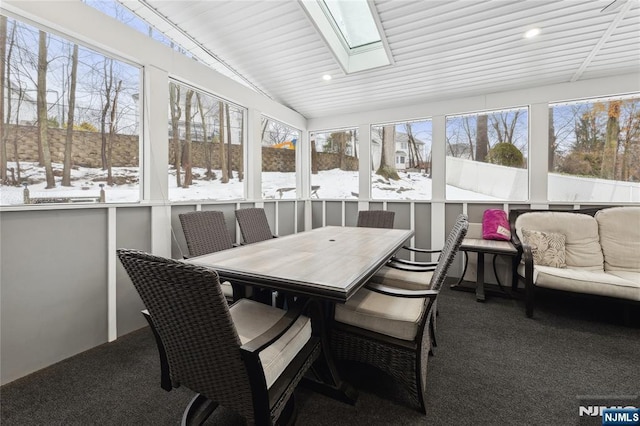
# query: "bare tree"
186,157
112,132
223,155
3,66
229,150
470,135
314,158
630,140
387,167
274,132
482,138
106,104
504,127
176,112
610,151
16,178
66,171
208,145
265,124
344,138
553,146
415,155
43,142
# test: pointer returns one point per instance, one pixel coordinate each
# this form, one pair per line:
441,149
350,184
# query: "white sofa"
601,250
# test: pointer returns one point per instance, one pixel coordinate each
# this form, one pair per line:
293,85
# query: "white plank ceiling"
440,49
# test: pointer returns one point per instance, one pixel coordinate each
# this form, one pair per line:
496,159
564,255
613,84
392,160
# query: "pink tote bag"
495,225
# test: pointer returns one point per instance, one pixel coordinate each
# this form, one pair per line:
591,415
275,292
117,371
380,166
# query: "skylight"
352,30
354,21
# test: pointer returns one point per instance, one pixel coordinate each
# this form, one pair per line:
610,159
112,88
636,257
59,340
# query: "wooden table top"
332,262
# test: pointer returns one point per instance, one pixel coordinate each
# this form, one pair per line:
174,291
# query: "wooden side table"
482,247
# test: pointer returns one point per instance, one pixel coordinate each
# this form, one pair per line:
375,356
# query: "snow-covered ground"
329,184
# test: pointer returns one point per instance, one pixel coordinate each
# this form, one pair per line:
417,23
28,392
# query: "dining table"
328,264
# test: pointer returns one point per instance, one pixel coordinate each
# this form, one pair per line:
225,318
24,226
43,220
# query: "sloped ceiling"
441,49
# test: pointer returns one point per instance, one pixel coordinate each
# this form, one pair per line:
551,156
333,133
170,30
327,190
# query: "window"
594,150
354,22
144,18
350,30
117,10
86,106
334,164
409,143
278,159
206,146
487,156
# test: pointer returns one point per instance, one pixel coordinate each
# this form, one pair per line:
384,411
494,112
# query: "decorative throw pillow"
547,248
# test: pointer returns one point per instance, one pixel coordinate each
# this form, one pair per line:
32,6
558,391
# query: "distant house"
402,149
22,106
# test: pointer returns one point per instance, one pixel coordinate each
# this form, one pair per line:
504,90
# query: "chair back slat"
449,251
375,219
205,232
253,225
192,318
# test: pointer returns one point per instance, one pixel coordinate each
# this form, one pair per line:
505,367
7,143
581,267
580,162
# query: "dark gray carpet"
492,366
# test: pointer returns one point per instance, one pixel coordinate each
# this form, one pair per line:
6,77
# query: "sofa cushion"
584,281
547,247
252,319
627,275
619,229
582,245
397,317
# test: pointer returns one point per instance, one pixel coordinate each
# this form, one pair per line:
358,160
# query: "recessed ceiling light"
326,77
532,33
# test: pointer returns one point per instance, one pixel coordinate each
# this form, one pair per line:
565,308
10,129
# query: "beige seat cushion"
227,290
397,317
627,275
252,318
590,282
619,229
408,280
582,240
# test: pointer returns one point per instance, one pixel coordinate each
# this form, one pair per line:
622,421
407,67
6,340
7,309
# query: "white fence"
509,183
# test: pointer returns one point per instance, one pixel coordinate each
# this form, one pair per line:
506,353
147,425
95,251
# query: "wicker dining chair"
206,232
403,273
375,219
248,357
253,225
254,228
388,327
415,275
